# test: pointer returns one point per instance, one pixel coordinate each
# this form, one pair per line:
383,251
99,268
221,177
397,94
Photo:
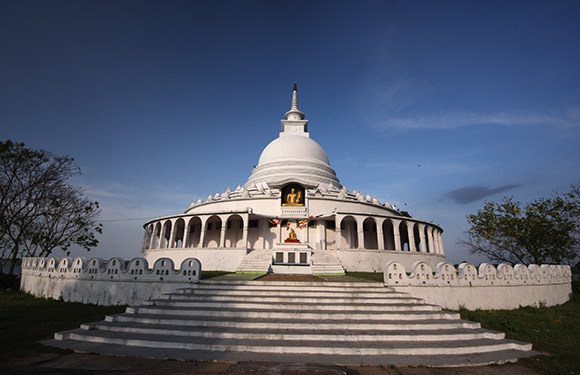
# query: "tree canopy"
541,232
39,209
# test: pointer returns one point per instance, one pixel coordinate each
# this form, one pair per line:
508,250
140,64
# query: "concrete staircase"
257,260
316,322
326,262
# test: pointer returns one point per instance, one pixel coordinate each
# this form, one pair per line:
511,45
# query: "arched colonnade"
351,231
387,233
203,231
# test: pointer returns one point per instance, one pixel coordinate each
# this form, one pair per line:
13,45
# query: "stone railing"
485,287
112,282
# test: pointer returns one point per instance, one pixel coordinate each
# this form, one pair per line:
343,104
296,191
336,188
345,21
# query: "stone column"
262,226
321,225
202,234
431,240
152,239
162,243
337,231
186,230
435,241
411,235
380,236
222,241
360,232
279,232
246,222
396,234
440,241
172,234
422,238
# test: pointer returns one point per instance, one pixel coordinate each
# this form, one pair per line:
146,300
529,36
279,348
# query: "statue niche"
293,195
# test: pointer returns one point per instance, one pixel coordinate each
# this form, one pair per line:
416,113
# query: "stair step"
301,347
313,324
289,333
339,322
276,314
284,299
256,284
294,293
292,307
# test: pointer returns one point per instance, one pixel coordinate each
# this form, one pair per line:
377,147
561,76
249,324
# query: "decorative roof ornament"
294,113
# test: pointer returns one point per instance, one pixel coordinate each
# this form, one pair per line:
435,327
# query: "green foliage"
39,209
544,231
555,330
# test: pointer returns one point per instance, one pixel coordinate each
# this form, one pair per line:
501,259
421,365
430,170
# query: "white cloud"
455,120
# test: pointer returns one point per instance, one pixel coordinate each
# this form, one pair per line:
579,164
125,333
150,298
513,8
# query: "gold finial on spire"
295,87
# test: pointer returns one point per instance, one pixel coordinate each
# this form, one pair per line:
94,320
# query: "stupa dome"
293,156
293,146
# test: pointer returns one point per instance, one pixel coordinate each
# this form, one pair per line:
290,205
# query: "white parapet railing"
112,282
485,287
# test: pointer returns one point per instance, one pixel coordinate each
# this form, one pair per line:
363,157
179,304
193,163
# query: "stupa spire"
294,113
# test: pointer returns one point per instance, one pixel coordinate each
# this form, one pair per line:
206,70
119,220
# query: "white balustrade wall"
117,282
112,282
486,287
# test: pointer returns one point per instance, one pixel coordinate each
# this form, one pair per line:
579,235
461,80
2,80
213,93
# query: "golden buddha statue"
293,198
292,235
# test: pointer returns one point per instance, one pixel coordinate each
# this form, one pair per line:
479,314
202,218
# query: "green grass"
211,274
554,330
372,276
25,320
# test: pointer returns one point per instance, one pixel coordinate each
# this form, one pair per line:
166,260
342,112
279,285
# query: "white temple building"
293,216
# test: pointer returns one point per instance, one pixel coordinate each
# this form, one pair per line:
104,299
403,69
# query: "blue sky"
433,106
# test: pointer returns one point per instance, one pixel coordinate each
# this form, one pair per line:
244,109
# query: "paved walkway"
91,364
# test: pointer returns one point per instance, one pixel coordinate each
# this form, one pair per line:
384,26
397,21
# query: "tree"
544,231
39,209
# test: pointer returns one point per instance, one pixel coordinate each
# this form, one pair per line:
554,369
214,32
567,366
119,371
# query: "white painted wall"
485,288
115,282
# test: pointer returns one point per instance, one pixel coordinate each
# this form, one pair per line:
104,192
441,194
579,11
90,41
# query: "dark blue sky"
164,102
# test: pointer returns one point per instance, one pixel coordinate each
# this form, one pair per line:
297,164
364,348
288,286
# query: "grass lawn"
212,274
25,320
554,330
371,276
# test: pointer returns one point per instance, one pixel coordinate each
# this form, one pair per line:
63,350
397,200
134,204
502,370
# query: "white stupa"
293,216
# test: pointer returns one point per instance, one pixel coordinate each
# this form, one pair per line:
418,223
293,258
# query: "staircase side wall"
112,282
485,287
